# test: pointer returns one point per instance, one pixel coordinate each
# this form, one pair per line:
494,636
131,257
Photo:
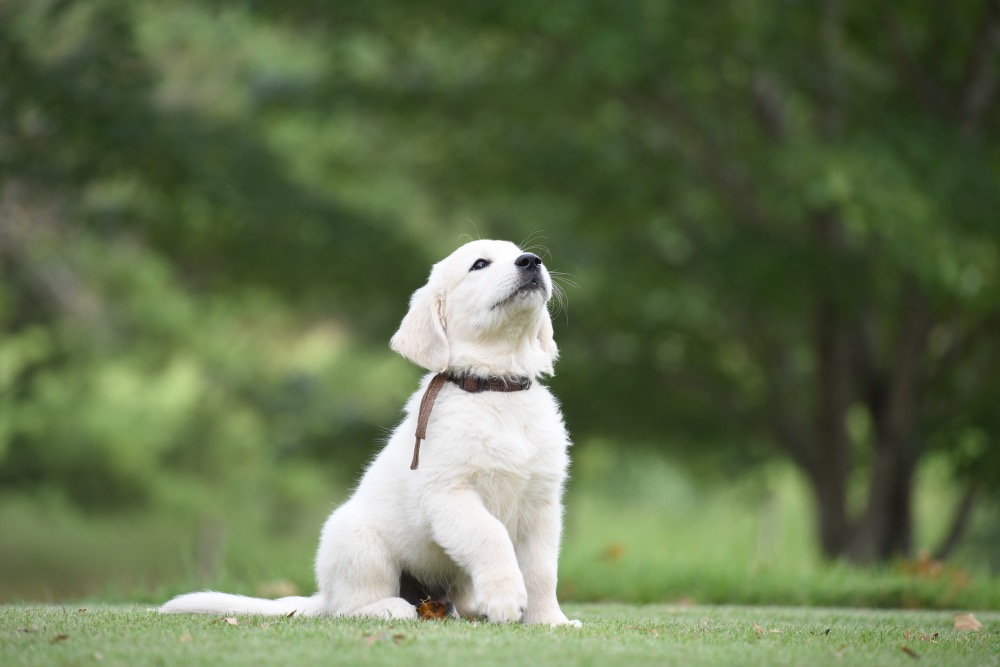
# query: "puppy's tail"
210,602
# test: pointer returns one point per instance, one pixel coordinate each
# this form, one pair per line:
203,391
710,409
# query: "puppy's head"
483,311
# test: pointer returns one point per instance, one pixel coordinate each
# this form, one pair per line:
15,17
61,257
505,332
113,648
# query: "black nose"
529,261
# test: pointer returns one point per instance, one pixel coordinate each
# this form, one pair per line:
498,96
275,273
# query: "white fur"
482,514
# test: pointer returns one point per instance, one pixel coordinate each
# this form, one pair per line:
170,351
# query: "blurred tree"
783,215
150,249
794,206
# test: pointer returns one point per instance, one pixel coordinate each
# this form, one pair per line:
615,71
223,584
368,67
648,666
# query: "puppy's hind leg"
356,572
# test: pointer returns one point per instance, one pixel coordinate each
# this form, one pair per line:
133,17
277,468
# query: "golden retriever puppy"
464,502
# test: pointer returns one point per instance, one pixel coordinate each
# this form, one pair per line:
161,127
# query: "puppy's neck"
499,359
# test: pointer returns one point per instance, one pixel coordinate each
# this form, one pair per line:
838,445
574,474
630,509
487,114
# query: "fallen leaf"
756,628
432,609
967,622
924,566
186,638
384,638
81,609
613,552
910,652
291,613
228,620
60,638
906,634
775,631
827,633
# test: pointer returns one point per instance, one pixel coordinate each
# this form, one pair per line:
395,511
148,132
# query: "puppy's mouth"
528,287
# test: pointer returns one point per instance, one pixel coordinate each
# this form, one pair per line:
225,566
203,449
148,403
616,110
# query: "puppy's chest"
511,451
500,432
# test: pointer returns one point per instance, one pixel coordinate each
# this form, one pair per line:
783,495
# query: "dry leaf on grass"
384,638
910,652
922,636
228,620
967,622
759,630
60,638
432,610
613,552
291,613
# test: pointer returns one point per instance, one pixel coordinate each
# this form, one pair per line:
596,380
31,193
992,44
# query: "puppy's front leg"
478,542
537,549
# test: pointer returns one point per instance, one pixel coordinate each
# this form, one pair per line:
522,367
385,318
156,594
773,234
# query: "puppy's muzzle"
530,268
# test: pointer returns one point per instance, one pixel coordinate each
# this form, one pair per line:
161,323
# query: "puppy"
465,499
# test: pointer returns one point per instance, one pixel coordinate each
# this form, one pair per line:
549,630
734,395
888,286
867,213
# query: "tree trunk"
832,462
886,529
959,523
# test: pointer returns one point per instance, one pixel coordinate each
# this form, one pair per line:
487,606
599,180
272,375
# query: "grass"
612,634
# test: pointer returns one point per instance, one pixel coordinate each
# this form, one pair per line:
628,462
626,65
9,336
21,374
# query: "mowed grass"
612,634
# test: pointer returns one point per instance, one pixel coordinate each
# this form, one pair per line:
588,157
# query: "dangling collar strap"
470,383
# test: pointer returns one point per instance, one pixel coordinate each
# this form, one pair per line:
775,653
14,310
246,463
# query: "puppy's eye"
480,264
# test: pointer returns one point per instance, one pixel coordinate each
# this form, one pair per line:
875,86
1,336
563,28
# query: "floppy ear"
421,337
547,342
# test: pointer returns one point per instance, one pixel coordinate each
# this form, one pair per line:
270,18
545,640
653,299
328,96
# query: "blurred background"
776,224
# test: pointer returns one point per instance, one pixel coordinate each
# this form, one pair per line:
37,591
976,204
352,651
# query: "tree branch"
769,102
980,81
925,89
832,32
959,524
715,162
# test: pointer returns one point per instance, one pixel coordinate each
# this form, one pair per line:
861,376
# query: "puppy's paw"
553,619
503,610
503,600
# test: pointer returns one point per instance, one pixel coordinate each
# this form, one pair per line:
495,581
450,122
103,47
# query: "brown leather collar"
470,383
476,384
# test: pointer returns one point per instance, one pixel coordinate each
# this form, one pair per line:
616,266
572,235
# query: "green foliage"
782,220
160,391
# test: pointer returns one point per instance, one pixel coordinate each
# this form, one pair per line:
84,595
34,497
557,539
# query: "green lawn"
612,634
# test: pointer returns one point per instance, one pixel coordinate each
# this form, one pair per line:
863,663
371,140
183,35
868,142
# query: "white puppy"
478,518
